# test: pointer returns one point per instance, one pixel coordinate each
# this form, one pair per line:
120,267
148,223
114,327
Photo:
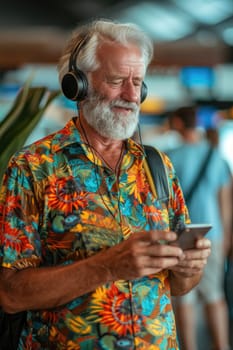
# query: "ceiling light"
207,11
162,23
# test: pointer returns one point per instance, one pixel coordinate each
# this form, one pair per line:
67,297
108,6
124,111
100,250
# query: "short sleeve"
20,245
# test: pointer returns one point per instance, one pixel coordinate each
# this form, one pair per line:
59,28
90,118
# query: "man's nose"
130,92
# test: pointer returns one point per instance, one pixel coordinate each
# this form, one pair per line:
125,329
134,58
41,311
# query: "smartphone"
188,235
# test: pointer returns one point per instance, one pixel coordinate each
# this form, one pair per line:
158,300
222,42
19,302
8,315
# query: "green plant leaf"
25,113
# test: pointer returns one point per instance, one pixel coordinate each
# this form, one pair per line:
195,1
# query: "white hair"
85,40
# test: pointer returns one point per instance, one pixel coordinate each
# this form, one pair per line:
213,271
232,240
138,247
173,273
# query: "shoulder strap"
156,173
199,175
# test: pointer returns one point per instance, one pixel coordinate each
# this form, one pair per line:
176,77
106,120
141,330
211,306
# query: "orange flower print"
35,159
179,199
13,202
113,310
153,213
15,240
137,185
63,195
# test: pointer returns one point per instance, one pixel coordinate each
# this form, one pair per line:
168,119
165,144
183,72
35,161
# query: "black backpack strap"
156,173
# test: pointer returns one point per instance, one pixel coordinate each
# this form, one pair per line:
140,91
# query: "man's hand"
194,260
140,255
188,272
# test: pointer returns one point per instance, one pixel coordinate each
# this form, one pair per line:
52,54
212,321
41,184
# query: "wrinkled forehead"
112,56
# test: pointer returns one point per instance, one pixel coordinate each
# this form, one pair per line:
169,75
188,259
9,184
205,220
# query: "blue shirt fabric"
203,206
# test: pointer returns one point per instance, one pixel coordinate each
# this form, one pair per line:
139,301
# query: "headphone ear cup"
75,85
144,91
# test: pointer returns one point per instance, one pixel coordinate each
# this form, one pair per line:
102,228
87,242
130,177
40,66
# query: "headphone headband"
74,54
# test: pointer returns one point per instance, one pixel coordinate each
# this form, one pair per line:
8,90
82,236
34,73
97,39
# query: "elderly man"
81,231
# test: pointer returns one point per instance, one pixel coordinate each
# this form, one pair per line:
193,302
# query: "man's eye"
115,82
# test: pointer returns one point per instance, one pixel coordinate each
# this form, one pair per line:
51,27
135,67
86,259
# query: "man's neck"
107,149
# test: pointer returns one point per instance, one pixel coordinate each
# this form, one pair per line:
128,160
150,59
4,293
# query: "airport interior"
192,65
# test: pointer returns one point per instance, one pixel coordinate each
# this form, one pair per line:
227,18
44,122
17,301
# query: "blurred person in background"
229,281
206,182
212,134
161,136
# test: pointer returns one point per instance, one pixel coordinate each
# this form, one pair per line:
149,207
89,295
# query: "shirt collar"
66,136
70,135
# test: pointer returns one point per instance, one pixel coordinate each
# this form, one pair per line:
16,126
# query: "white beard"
100,116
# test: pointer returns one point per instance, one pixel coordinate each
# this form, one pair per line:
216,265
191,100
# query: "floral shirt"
60,204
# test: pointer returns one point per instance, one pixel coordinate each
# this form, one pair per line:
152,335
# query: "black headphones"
144,91
74,83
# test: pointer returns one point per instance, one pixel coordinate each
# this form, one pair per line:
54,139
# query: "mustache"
124,104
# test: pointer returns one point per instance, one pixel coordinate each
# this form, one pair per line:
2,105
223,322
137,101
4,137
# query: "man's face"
112,106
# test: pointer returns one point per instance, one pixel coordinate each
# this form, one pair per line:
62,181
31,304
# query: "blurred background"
193,61
192,65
